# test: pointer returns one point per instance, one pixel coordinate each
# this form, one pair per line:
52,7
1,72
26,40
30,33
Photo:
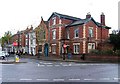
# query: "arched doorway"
46,49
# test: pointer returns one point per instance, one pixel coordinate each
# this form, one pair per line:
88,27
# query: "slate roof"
83,21
77,21
64,16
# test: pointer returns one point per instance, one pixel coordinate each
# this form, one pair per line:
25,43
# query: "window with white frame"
54,34
26,36
54,49
26,41
68,35
76,33
90,31
91,46
76,47
53,20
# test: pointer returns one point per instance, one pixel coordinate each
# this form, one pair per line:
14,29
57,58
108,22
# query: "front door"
46,49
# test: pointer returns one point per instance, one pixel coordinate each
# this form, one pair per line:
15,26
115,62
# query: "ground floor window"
91,46
53,48
76,47
40,49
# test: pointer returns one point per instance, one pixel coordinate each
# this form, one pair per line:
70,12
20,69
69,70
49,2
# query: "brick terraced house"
80,36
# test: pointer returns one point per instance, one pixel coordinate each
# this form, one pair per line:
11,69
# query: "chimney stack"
102,16
88,15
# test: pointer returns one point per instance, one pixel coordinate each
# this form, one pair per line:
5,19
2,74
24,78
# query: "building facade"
63,34
42,38
80,36
27,38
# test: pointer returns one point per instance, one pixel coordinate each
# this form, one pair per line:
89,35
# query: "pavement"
11,59
53,58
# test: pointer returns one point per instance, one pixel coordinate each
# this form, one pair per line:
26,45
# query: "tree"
6,38
115,40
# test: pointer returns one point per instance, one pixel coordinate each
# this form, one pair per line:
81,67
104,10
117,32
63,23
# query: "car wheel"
3,57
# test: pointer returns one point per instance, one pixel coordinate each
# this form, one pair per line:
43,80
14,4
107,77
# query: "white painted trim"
60,21
76,43
84,29
96,32
59,47
84,47
53,44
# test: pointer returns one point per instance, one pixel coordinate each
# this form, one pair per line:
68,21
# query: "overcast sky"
18,14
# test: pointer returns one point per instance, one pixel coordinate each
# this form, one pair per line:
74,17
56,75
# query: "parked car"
6,53
2,55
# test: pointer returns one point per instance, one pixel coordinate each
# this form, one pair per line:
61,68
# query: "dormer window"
53,20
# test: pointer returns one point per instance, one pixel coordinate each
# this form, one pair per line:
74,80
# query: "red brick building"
42,38
79,35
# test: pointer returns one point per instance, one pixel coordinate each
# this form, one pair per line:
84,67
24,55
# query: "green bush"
117,52
102,52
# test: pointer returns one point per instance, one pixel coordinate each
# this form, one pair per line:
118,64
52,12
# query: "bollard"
16,58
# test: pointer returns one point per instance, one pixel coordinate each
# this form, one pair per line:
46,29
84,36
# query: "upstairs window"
53,20
76,33
90,32
68,35
54,34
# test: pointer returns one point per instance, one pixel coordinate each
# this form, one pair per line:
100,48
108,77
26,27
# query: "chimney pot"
88,15
102,16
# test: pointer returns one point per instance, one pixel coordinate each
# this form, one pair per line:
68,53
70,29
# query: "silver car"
2,55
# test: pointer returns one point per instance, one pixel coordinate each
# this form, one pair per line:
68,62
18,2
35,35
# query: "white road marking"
58,79
74,79
38,64
0,78
88,64
8,64
104,78
41,62
25,79
57,65
65,65
49,65
116,78
89,79
11,78
41,65
42,79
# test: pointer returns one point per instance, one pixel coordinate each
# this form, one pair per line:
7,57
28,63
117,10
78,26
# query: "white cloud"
18,14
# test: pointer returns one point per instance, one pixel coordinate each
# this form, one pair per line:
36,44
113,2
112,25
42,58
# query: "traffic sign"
15,43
